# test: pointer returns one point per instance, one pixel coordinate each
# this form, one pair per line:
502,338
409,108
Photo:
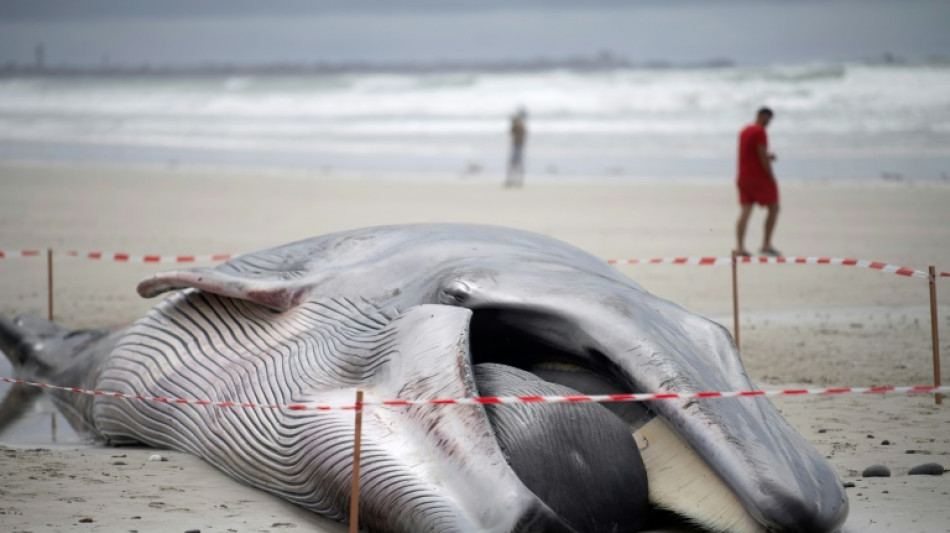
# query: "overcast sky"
188,32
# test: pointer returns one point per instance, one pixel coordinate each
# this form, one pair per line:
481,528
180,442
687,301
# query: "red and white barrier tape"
11,254
497,400
719,261
148,258
122,257
695,261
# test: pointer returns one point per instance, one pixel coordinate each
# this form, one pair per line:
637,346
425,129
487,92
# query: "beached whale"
436,311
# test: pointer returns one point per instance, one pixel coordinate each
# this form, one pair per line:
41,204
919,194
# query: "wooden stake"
355,492
49,284
935,337
735,301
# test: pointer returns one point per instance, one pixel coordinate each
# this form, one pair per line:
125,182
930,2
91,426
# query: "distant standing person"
519,133
756,182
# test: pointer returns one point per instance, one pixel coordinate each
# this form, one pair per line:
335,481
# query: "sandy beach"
801,325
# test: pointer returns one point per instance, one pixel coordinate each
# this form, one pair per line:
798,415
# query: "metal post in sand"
935,337
49,284
735,301
355,492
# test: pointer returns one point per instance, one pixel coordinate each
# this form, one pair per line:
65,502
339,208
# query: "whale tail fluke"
18,400
40,349
12,338
46,352
15,345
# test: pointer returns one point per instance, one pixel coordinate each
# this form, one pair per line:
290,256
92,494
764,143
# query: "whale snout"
787,511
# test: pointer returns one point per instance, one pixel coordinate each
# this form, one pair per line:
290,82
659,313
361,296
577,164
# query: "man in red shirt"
756,181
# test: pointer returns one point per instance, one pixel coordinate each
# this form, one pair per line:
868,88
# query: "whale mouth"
500,336
681,476
528,339
554,446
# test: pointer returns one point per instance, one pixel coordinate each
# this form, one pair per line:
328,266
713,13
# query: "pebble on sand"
926,469
876,471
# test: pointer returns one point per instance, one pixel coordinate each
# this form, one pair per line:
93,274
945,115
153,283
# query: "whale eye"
454,292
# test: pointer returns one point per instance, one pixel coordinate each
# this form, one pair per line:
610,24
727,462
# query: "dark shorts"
760,191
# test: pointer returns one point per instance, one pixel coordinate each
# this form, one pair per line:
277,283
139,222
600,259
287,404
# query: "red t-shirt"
750,166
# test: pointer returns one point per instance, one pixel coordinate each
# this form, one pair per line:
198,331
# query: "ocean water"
833,121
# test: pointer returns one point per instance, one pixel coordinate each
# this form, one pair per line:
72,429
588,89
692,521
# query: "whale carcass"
439,311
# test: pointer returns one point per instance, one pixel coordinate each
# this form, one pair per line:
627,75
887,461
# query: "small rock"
870,436
156,457
822,431
193,531
876,471
118,463
849,484
926,469
885,442
86,520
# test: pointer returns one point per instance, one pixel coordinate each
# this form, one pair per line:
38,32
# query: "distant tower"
40,56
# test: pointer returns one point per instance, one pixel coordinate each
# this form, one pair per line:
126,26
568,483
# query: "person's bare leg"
741,225
770,218
511,179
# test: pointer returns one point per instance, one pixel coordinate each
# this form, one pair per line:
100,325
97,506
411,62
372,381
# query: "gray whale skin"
437,311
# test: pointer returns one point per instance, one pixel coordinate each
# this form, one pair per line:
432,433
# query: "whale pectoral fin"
274,292
430,359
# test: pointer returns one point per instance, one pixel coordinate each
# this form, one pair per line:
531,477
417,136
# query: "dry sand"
801,324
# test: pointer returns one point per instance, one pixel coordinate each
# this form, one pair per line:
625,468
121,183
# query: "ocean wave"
621,114
791,73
